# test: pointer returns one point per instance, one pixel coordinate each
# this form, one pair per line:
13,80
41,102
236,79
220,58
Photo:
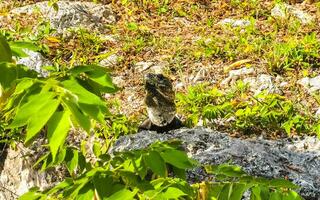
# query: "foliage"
31,104
241,110
62,100
143,174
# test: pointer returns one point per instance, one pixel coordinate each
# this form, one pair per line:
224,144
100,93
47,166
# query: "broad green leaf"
276,195
155,162
24,45
39,119
17,52
6,54
174,193
80,118
96,149
8,75
73,191
58,128
225,169
32,195
238,190
87,101
226,191
255,193
178,172
102,181
23,85
177,158
282,183
87,192
215,190
98,75
32,106
123,194
71,160
291,195
62,185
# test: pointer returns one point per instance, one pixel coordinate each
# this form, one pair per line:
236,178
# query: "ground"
191,42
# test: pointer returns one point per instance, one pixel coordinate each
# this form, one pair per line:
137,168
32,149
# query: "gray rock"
76,14
35,61
310,84
110,61
235,22
263,82
283,10
297,159
18,175
234,75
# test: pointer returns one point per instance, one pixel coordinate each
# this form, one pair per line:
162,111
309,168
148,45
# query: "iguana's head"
155,83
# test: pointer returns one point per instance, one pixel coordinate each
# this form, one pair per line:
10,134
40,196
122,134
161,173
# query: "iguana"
160,104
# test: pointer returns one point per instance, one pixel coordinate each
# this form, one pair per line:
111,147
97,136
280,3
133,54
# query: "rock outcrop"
71,14
296,159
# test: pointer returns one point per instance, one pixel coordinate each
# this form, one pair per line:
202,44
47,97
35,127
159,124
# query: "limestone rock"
283,10
18,175
234,75
71,14
110,61
263,82
235,22
297,159
311,84
35,61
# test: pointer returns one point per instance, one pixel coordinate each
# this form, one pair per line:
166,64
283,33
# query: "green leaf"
282,183
155,162
225,169
87,192
6,54
32,195
177,158
291,195
255,193
99,77
101,182
58,128
180,173
96,149
32,106
87,101
174,193
39,119
238,190
276,195
82,119
215,190
6,81
23,85
226,191
123,194
71,160
18,48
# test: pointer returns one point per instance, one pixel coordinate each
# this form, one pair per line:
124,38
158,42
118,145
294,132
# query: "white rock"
110,61
235,22
143,66
234,75
35,61
311,84
283,10
18,174
263,82
317,114
76,14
